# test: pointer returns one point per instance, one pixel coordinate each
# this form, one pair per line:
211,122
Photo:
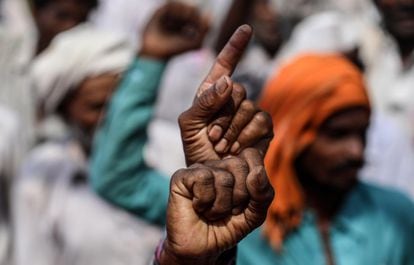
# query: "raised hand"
214,206
173,29
221,121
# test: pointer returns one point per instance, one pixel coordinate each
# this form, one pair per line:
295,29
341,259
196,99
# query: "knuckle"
203,176
262,118
180,173
226,180
224,63
200,172
247,106
238,164
239,92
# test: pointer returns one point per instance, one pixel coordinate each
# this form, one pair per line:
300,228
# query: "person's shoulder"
392,202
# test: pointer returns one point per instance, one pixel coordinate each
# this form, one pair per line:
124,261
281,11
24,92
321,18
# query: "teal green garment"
118,170
374,227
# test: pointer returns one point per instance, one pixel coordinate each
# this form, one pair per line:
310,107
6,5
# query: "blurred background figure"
27,28
58,220
54,16
17,42
74,78
183,73
132,184
323,214
387,50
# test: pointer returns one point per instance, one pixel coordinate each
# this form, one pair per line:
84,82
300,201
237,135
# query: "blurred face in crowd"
398,17
335,157
266,25
86,105
57,16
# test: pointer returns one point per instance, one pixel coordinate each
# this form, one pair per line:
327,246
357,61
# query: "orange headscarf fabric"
303,94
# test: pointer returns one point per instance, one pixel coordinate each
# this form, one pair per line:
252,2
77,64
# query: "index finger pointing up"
229,57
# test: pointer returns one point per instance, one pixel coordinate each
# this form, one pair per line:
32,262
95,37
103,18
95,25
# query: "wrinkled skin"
221,121
222,196
209,131
205,214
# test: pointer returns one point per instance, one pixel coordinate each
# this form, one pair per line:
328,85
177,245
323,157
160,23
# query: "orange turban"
300,98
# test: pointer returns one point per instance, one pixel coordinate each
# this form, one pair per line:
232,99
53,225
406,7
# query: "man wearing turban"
322,213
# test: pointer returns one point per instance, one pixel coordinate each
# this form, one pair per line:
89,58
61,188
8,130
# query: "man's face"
266,25
337,154
58,16
85,107
398,16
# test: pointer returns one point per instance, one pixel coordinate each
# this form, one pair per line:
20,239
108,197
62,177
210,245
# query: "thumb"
206,105
261,196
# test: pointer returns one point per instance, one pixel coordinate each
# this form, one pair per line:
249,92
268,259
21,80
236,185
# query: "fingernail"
222,85
235,149
215,133
221,146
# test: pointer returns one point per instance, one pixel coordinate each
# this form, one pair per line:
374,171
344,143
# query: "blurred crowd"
90,94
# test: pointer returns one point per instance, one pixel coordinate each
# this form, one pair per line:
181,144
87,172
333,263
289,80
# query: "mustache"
349,165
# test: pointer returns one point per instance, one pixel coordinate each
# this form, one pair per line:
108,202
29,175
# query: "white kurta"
390,83
59,220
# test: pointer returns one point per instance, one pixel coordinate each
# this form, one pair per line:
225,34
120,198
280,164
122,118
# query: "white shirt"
390,83
389,156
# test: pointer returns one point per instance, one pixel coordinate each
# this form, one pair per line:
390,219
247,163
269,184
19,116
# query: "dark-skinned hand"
221,121
174,28
214,206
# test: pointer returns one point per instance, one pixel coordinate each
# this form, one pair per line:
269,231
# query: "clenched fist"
173,29
213,206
